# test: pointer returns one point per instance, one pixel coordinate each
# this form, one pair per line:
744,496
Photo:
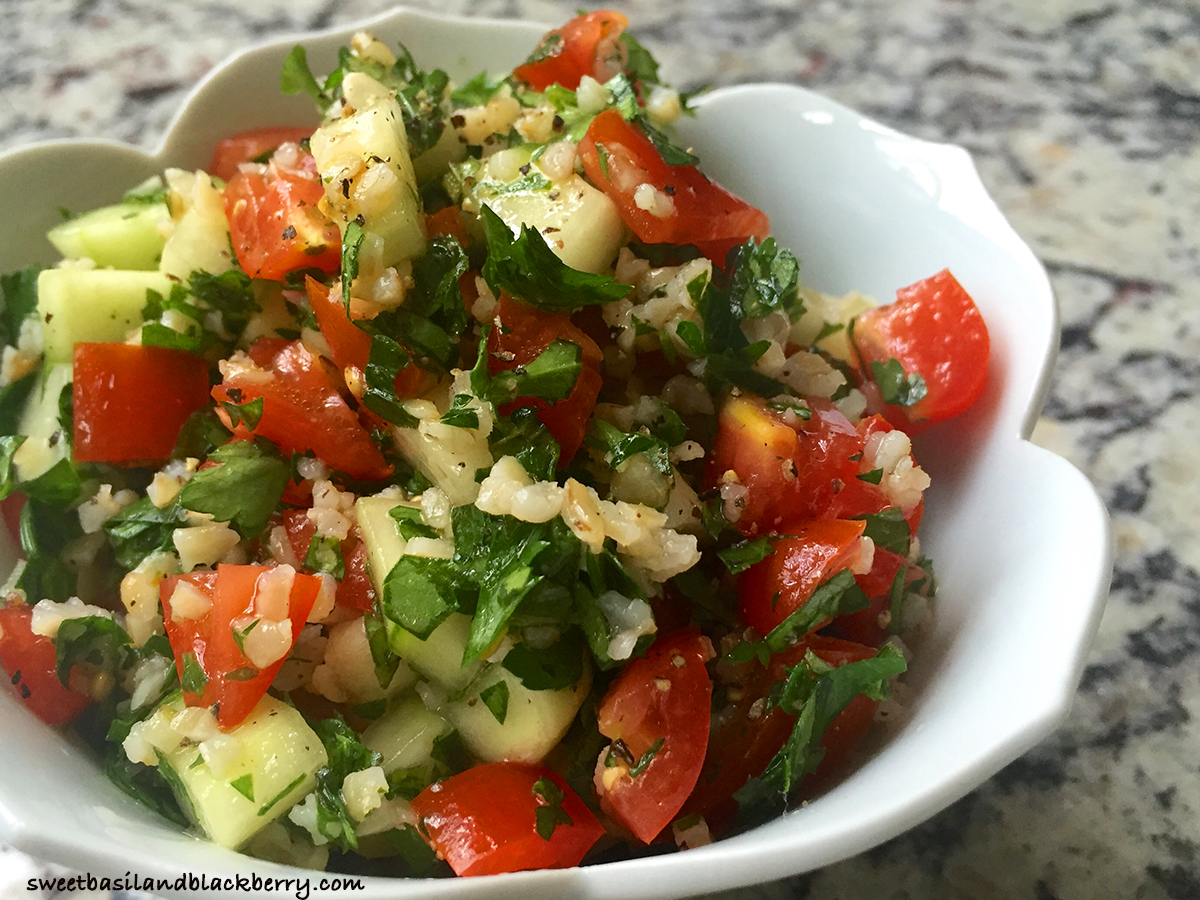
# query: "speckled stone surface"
1084,118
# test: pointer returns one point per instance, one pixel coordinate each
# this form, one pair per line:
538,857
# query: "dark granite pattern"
1084,118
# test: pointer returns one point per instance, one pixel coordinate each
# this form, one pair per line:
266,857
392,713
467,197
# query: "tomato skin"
792,473
355,590
131,401
640,712
521,333
29,660
484,821
859,497
350,345
246,146
745,737
275,224
447,222
231,590
10,508
705,214
772,589
302,410
574,50
935,329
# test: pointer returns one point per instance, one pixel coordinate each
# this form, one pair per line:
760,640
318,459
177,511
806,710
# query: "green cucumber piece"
405,734
200,240
277,767
579,222
124,236
383,542
439,656
534,721
389,206
91,305
44,441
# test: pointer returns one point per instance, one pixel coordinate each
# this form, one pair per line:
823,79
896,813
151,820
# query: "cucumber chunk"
447,455
200,241
276,766
384,543
85,305
44,441
124,236
364,163
534,721
580,224
433,162
405,734
439,656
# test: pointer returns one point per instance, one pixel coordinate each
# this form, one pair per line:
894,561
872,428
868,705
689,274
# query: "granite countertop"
1084,119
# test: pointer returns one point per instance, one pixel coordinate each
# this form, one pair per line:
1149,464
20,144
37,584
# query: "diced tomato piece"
298,493
619,159
232,684
935,330
771,590
350,345
300,530
248,146
29,661
302,410
587,45
658,708
524,332
866,626
747,733
791,472
131,401
413,381
10,508
873,624
861,495
484,821
355,590
275,225
447,222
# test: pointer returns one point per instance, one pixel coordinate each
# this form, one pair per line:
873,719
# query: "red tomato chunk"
689,209
486,820
302,410
209,648
587,45
131,401
773,589
354,591
658,709
747,732
248,146
29,661
790,472
935,330
275,224
523,333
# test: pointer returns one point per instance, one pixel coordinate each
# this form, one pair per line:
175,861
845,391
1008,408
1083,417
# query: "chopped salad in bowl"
466,483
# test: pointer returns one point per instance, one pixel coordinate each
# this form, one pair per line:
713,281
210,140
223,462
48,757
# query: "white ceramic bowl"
1019,537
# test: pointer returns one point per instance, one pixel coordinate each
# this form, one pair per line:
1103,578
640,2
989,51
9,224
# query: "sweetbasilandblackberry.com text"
300,888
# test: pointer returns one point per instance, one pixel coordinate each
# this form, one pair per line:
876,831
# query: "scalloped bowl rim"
939,182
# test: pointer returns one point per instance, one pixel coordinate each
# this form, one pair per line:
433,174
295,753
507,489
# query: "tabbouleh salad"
466,483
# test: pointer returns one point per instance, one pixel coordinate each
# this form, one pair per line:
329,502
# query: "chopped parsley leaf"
550,813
